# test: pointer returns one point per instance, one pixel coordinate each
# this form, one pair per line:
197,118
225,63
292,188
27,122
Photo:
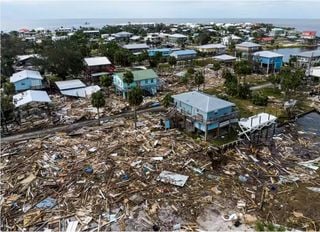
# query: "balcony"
232,115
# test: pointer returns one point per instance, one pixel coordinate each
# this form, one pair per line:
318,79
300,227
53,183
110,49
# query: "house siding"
28,83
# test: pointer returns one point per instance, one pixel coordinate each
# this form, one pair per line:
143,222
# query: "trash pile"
115,177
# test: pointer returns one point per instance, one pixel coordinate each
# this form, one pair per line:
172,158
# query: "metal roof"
211,46
202,101
30,96
136,46
140,75
98,60
70,84
160,50
183,52
267,54
25,57
122,34
309,54
248,45
81,92
24,74
178,36
224,57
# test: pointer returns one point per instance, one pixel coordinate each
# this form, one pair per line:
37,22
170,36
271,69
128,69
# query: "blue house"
268,61
205,112
27,79
184,54
145,79
163,51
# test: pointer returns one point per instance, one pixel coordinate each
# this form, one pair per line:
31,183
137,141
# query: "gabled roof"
248,45
24,74
98,60
30,96
211,46
224,57
178,36
136,46
183,53
309,54
140,75
202,101
267,54
25,57
81,92
70,84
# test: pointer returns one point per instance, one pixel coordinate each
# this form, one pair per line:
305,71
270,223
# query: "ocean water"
299,24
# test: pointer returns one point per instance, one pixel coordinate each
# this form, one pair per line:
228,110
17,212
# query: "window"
151,80
146,81
22,83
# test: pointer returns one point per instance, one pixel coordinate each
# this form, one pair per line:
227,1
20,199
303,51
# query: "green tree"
259,99
290,79
135,98
203,38
198,79
172,60
243,68
244,91
63,59
51,80
190,70
98,101
216,66
7,110
9,88
167,100
231,82
106,82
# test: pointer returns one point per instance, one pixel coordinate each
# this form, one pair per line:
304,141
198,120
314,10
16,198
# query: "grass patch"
274,92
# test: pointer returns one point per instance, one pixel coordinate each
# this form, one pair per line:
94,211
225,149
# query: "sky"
58,9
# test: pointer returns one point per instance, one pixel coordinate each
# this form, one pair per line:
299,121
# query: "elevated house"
247,49
184,54
205,112
214,49
25,62
177,38
98,66
308,58
136,48
309,37
227,40
275,32
268,61
146,79
163,51
226,59
27,79
123,35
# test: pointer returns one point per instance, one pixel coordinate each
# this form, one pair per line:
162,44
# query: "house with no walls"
268,61
27,79
98,66
247,48
146,79
205,112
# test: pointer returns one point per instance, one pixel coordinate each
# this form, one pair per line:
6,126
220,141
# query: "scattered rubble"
112,177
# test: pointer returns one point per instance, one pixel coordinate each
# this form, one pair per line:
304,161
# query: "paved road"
267,85
74,126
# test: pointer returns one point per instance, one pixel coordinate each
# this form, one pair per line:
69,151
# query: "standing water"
309,123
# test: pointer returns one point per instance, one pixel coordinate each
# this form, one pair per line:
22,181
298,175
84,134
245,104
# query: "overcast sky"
57,9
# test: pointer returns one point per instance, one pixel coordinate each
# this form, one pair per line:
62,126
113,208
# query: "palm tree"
97,100
135,99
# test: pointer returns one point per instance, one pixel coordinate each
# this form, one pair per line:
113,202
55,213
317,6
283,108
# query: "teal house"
27,79
146,79
163,51
268,61
205,112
